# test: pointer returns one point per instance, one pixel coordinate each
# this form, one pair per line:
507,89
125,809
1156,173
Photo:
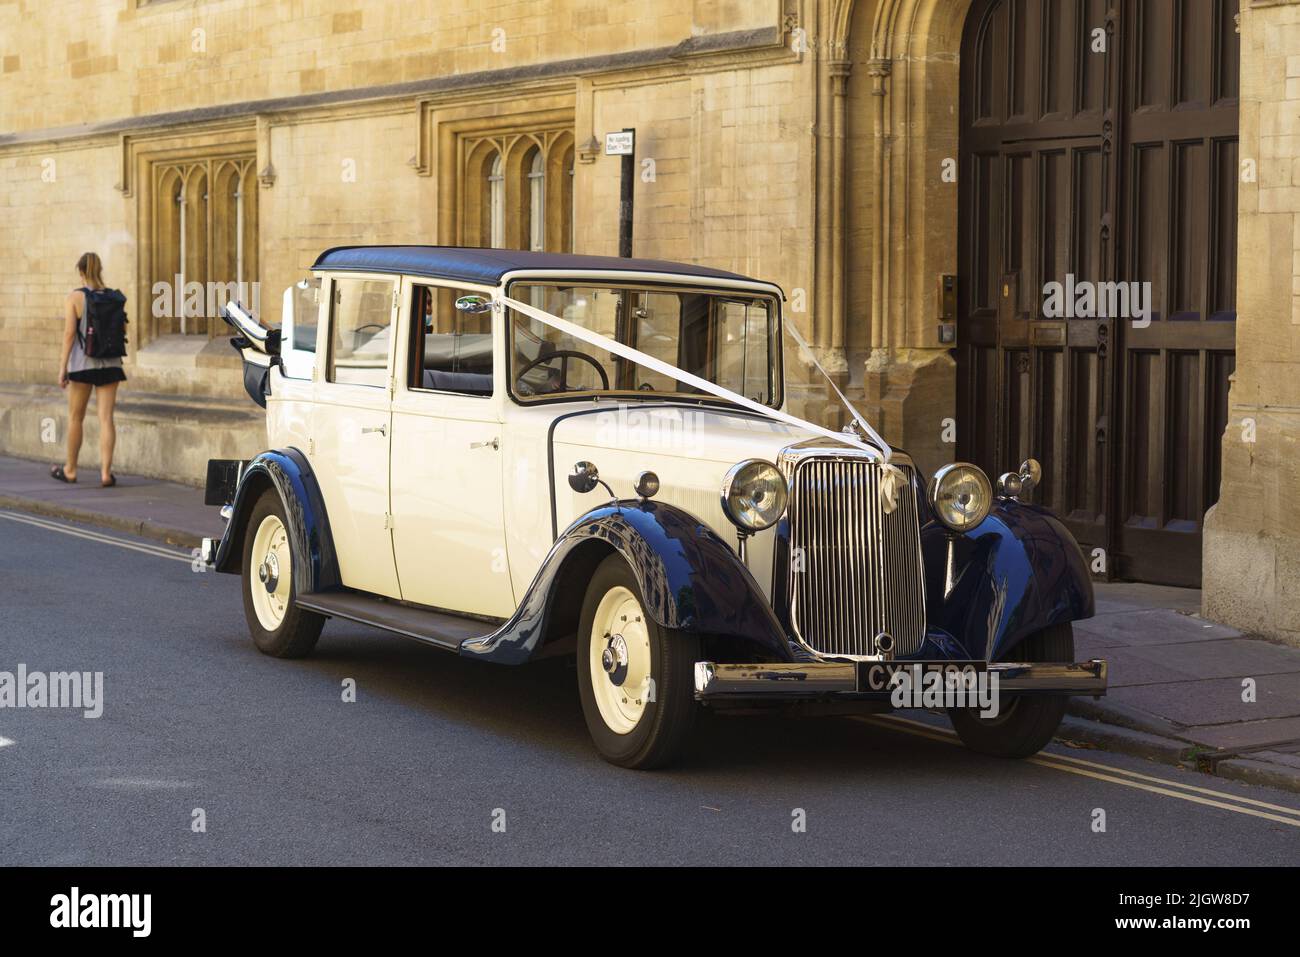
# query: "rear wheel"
1024,724
636,680
278,626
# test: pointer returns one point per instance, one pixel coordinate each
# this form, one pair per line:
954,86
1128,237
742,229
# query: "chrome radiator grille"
854,571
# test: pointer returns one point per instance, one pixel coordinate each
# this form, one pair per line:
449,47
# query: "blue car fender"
287,471
691,581
1016,573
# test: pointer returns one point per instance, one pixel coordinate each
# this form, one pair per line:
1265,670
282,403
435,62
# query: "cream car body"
447,499
456,487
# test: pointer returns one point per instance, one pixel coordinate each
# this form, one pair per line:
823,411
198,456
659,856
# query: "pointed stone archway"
888,96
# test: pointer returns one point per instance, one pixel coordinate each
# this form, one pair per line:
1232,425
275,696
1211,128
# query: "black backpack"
105,324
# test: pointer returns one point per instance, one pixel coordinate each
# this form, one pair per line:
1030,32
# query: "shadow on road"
538,703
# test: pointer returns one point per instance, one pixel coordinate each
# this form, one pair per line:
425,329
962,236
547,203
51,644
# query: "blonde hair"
90,266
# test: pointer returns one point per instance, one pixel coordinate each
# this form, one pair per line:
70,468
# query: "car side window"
301,309
361,331
452,349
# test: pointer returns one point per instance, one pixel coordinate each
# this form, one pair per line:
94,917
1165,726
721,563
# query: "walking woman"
85,367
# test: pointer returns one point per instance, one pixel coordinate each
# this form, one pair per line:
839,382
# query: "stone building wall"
1251,557
728,132
84,60
351,112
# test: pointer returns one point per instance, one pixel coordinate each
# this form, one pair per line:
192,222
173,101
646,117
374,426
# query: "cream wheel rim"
619,660
271,569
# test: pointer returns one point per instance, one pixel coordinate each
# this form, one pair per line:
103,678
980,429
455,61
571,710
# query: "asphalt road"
436,748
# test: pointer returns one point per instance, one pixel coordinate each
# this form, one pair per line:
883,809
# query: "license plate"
880,675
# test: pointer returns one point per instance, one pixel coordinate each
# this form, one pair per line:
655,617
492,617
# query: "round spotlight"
647,485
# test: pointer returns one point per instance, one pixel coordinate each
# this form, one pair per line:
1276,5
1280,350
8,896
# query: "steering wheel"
357,341
565,355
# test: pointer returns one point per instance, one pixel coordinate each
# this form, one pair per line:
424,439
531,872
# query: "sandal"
56,473
112,480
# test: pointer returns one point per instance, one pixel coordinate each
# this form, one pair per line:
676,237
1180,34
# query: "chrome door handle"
494,445
381,429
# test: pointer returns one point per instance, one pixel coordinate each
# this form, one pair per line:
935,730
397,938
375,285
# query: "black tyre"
636,680
278,626
1025,724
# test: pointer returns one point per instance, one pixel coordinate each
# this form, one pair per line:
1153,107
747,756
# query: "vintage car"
511,455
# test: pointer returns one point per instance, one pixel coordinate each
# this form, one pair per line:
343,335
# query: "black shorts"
104,376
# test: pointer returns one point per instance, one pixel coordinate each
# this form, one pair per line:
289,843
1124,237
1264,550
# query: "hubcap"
268,573
619,661
271,556
614,660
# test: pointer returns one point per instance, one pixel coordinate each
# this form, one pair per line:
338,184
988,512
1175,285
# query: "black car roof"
488,266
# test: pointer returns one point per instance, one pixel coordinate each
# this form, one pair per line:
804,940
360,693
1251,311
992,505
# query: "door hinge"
396,298
311,447
388,521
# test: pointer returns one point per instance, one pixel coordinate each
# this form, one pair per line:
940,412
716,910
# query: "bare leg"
105,400
78,398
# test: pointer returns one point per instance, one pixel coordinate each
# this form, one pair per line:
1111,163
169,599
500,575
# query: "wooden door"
1098,149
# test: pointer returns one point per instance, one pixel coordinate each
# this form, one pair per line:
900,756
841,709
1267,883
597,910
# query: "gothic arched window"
537,202
496,204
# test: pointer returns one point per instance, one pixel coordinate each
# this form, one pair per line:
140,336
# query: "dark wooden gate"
1101,167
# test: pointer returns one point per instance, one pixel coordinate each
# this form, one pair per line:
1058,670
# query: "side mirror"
584,477
474,304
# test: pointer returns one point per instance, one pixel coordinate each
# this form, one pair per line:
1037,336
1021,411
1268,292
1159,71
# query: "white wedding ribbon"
857,416
892,479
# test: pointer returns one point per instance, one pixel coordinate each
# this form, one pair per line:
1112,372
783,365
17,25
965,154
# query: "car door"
352,425
448,522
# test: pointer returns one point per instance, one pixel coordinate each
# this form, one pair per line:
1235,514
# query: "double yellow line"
1113,775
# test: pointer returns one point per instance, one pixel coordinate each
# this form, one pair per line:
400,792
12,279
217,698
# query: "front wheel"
278,626
1025,724
636,680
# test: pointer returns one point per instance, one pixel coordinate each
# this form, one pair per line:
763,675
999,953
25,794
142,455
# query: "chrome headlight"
961,496
754,494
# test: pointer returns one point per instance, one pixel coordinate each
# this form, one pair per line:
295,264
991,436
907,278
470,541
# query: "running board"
439,628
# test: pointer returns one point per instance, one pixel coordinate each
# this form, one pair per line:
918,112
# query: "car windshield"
730,339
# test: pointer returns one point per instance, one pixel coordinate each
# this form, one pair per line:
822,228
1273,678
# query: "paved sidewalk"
1177,677
150,508
1176,680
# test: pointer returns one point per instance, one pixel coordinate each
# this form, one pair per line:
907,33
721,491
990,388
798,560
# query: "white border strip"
158,551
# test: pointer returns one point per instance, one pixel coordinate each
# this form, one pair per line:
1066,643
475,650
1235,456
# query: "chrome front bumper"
844,679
